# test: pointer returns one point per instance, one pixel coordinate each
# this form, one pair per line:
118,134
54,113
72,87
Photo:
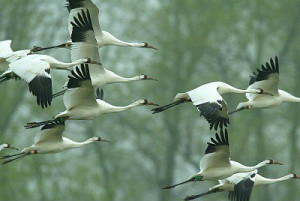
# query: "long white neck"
286,97
243,168
70,144
61,65
226,88
107,38
126,79
260,180
108,108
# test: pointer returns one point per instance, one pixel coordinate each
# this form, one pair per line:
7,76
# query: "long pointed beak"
102,140
151,78
150,46
150,103
277,163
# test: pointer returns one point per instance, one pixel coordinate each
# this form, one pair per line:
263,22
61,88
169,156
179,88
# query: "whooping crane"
216,163
80,101
209,102
103,37
50,140
240,185
84,44
266,79
35,70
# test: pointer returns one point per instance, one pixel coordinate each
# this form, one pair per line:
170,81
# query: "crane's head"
147,45
146,102
145,77
99,139
295,176
8,146
272,162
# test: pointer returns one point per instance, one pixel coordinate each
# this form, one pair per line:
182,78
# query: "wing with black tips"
51,132
266,78
242,186
36,73
217,153
215,113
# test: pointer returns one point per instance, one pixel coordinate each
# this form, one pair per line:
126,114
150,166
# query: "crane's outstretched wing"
51,132
211,105
74,5
215,113
37,74
217,153
80,90
84,44
266,78
243,184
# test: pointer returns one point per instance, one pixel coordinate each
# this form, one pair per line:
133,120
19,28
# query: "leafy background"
199,42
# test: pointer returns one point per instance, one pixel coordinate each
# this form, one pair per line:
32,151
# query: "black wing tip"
72,4
210,111
219,140
41,87
82,23
265,71
78,76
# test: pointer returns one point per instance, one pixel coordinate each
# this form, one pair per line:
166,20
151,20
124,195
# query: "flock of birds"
83,99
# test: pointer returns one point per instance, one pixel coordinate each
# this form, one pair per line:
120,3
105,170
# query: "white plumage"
80,101
35,70
103,38
209,102
266,79
240,185
50,140
216,163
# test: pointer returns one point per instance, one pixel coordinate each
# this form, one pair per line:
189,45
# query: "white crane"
80,101
209,102
216,163
50,140
84,44
240,185
267,79
7,146
35,70
103,37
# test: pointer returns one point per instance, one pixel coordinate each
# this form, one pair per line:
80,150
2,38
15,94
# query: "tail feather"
165,107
